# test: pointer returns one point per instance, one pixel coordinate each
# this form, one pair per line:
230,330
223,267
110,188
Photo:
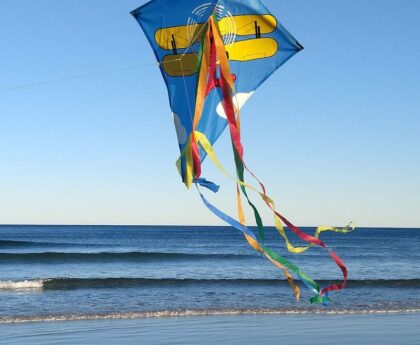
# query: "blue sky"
334,134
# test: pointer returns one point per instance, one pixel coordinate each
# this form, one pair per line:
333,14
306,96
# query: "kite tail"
213,58
232,114
321,295
271,255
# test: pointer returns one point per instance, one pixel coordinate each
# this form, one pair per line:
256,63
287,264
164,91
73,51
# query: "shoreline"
169,314
384,329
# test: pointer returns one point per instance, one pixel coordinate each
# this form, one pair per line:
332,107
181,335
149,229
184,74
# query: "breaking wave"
112,256
101,283
21,285
204,312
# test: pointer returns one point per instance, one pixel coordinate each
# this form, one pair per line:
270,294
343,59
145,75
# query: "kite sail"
213,55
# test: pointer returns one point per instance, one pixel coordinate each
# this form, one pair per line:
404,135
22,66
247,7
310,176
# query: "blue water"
93,272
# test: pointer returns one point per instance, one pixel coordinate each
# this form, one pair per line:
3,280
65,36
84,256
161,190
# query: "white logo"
201,14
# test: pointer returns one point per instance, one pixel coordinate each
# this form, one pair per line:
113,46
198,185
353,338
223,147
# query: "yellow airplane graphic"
184,65
180,37
177,38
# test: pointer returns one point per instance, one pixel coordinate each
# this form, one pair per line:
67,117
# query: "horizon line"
191,225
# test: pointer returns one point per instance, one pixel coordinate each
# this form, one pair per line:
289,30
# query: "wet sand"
381,329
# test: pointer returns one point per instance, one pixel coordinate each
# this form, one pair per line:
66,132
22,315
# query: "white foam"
21,285
186,313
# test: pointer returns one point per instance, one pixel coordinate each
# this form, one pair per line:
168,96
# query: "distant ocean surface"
106,272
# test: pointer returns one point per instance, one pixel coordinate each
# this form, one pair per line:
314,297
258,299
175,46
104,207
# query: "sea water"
107,272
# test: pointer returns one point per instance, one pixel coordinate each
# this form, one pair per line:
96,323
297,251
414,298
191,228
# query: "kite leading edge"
213,55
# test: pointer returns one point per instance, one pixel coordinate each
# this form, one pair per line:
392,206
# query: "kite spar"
213,56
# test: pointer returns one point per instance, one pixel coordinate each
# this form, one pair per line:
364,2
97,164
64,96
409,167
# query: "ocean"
79,273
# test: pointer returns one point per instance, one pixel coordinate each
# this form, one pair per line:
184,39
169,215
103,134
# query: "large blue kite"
213,56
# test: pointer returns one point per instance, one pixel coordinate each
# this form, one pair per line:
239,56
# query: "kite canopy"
213,55
255,42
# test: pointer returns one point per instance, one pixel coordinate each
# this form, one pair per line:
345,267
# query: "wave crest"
100,283
205,312
22,285
112,256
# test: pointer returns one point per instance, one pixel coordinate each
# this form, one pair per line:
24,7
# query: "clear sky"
334,134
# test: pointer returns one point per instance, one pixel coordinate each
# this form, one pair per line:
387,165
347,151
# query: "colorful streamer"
213,55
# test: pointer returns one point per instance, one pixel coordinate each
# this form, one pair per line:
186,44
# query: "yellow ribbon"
208,149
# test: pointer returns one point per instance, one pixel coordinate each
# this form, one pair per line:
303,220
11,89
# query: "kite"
213,55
